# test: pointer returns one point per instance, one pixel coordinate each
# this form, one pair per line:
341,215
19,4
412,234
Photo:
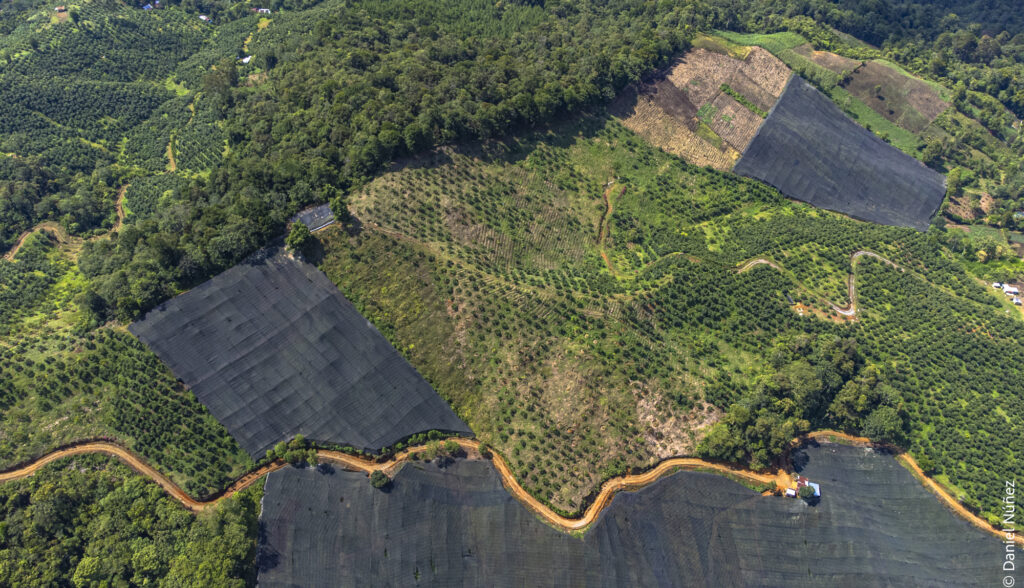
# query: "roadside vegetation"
91,521
63,380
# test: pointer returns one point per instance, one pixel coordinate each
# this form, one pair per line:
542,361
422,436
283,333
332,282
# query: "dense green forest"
90,521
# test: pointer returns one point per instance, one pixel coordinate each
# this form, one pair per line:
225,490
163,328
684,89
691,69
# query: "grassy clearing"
721,45
774,42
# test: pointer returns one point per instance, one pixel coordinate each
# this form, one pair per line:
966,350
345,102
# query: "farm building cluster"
1010,290
801,482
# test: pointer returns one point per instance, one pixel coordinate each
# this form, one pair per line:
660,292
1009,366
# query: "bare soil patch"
970,206
687,113
908,102
830,61
671,134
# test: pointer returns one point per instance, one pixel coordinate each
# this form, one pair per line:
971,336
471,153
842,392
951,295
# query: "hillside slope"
576,296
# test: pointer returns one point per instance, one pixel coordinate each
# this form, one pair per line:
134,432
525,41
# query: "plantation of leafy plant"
576,294
61,381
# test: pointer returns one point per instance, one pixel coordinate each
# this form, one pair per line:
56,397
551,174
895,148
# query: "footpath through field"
603,499
62,236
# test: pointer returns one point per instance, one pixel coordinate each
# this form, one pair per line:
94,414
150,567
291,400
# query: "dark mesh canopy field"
811,151
875,526
273,349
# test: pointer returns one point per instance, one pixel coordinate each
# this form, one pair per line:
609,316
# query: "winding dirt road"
850,309
56,229
62,236
603,499
602,224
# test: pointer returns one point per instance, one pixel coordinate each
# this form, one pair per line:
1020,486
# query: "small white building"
1010,290
204,18
997,285
245,60
1016,301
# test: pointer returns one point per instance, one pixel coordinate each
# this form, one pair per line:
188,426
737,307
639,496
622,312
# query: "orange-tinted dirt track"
603,499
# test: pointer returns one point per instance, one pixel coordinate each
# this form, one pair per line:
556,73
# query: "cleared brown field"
671,133
733,122
766,70
688,114
830,61
908,102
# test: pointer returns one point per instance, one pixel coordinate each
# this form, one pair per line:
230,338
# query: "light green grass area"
774,42
717,44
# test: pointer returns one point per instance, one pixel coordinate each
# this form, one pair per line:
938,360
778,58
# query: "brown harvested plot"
686,113
733,122
671,134
830,61
906,101
700,73
674,102
761,97
766,70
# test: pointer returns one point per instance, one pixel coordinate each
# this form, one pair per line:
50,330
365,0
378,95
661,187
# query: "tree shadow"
267,558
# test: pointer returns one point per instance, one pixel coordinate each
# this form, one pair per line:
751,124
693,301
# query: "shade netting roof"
811,151
874,526
316,217
273,349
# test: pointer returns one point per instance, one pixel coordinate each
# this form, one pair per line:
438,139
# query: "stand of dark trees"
349,91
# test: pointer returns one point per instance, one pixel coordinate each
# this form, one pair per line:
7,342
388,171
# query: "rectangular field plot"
811,151
273,349
874,526
689,112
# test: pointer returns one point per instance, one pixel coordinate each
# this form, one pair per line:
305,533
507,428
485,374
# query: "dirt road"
62,236
850,309
119,208
604,497
56,229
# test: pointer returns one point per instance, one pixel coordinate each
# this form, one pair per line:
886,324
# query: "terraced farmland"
708,106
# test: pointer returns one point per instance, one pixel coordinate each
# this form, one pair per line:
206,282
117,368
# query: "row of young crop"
71,380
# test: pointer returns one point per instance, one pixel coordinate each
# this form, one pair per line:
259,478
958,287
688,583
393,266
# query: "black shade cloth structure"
811,151
875,525
316,217
273,349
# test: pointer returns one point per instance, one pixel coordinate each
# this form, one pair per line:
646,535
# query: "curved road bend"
851,308
604,497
